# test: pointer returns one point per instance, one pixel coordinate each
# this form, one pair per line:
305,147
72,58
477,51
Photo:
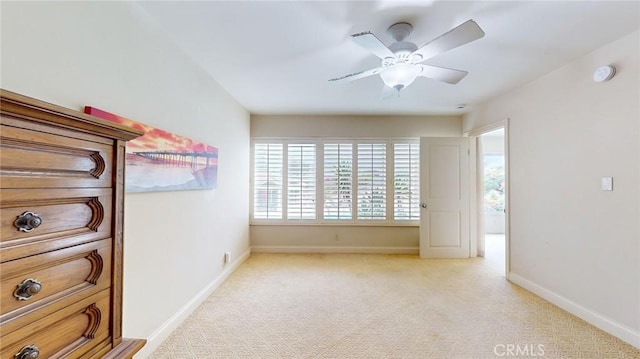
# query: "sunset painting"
163,161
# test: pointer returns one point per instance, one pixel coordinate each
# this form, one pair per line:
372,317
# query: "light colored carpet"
381,306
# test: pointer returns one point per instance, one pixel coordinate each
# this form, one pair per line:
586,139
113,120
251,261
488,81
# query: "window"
406,181
301,181
493,165
267,182
336,181
372,180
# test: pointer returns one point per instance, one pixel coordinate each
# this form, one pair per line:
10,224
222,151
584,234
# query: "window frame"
409,142
285,179
253,179
319,149
386,144
321,165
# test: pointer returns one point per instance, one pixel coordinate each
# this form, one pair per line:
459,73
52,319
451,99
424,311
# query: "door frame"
476,202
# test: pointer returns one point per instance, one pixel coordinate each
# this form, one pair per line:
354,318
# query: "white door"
444,197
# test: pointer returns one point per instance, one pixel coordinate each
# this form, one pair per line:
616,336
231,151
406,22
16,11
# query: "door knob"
423,205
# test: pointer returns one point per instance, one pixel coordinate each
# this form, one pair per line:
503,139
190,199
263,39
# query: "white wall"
572,243
358,239
355,126
334,239
111,56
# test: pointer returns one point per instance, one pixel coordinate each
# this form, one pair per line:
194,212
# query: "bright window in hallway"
494,183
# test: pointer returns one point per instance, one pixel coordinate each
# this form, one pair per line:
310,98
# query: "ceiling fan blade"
388,92
357,75
370,42
460,35
443,74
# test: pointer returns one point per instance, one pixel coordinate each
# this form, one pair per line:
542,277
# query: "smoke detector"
604,73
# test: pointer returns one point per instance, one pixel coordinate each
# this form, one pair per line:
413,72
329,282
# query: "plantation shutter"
267,185
338,181
372,180
406,181
301,181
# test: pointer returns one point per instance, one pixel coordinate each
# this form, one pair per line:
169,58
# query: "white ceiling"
275,57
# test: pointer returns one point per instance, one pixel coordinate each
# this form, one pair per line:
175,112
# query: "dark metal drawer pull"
28,221
28,352
27,288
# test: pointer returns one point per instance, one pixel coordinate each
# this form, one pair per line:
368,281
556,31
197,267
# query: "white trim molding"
609,325
487,128
328,249
163,332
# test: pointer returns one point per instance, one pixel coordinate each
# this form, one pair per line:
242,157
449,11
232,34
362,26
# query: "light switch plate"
607,183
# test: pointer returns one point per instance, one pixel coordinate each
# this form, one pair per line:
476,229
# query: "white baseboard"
328,249
163,332
609,325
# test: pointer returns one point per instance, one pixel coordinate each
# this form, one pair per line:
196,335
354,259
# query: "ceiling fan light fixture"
401,61
400,75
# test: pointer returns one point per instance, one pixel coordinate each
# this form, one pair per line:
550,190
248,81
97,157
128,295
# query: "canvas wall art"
163,161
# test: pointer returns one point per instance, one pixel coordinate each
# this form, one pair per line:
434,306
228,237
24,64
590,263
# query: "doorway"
492,175
491,195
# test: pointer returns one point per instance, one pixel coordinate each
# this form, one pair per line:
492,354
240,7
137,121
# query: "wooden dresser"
61,202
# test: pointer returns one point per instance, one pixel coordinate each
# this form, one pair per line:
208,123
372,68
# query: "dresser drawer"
42,282
34,221
67,333
30,157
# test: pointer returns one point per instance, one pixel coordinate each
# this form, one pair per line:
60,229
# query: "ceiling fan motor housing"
401,49
399,31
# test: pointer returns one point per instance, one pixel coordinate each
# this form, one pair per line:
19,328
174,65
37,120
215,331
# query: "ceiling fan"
401,61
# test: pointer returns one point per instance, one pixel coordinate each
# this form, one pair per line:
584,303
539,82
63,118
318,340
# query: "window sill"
335,224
